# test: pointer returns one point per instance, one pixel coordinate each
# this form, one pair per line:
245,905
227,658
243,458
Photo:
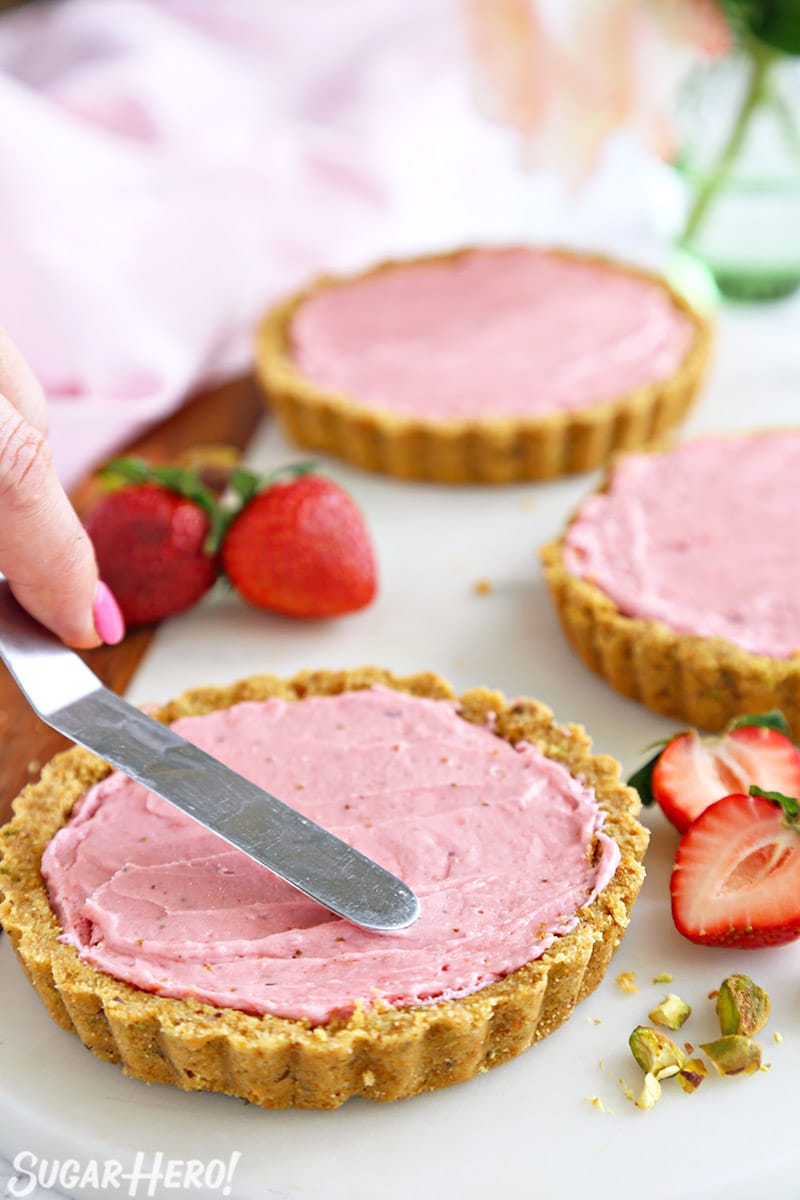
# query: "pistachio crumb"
663,977
650,1093
733,1054
742,1006
655,1053
627,981
597,1103
627,1091
777,1037
692,1075
483,587
672,1012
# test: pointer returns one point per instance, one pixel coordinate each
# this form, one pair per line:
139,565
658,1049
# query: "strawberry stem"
243,485
774,719
789,805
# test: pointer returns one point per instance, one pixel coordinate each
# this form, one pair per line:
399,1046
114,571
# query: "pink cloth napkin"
169,166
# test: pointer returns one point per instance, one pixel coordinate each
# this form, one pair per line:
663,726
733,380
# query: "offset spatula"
69,697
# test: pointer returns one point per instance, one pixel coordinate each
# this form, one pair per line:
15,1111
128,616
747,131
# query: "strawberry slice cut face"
736,879
692,772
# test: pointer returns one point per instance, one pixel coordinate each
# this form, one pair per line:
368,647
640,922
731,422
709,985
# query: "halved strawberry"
692,772
736,879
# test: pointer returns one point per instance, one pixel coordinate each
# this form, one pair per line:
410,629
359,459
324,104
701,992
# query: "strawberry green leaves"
774,719
789,805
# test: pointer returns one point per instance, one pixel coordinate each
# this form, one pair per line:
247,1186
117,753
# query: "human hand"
45,552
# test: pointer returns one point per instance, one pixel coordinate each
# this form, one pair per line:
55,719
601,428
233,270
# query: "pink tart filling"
501,844
704,538
490,333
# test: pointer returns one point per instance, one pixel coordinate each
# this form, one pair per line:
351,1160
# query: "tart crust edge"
381,1053
481,450
705,681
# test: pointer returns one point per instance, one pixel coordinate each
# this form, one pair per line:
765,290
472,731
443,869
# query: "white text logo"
150,1174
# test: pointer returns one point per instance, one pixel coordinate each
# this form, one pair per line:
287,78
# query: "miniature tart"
679,581
167,951
485,365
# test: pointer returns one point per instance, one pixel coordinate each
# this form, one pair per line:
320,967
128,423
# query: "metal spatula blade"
69,697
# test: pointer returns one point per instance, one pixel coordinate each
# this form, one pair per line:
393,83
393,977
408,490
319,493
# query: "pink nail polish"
108,619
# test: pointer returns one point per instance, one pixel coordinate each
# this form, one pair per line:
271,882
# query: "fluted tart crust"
484,449
703,679
381,1053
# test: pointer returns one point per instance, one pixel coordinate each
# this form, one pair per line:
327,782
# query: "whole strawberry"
150,540
299,546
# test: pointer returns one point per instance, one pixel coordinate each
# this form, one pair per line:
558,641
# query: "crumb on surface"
597,1103
777,1037
627,981
663,977
483,587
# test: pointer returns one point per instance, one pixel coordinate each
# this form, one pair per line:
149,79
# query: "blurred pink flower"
567,73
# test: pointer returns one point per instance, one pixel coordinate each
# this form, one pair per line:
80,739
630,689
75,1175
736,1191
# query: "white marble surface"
489,1136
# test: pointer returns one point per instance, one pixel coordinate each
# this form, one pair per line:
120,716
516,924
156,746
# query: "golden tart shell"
382,1053
475,450
704,681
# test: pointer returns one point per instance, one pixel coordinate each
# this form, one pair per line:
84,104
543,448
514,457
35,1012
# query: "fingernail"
108,619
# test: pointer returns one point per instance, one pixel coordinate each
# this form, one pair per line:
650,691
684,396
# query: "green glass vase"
739,159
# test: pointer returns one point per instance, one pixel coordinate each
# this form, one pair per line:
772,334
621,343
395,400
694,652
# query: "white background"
525,1129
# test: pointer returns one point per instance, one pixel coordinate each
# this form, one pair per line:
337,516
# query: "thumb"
45,553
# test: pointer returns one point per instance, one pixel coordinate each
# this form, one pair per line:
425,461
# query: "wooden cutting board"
227,414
